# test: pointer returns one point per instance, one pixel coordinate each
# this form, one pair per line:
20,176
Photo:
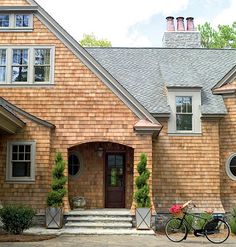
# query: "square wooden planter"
143,218
54,218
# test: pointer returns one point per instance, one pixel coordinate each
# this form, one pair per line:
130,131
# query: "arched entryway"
102,173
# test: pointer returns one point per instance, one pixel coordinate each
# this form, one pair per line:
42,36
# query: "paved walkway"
119,241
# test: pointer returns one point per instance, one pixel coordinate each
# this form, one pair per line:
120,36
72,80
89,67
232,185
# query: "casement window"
185,105
20,161
16,22
231,166
20,58
2,65
26,65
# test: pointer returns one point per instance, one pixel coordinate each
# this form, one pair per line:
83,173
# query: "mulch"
6,237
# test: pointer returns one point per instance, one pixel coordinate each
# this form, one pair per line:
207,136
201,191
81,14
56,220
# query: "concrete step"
88,231
99,218
94,231
98,224
105,212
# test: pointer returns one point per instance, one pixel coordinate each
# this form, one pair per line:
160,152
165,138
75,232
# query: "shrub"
141,195
232,221
16,218
55,197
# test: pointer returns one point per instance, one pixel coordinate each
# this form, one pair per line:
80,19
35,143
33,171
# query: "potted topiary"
141,196
54,211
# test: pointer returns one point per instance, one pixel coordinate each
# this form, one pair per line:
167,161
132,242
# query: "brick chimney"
181,38
170,23
180,24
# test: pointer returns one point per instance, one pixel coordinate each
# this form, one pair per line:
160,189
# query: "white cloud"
110,19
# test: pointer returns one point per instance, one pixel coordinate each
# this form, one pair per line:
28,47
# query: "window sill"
20,181
16,30
185,134
27,85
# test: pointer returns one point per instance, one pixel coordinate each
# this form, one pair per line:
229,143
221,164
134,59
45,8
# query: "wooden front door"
115,180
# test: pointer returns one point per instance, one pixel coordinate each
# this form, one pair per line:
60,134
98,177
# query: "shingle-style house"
103,107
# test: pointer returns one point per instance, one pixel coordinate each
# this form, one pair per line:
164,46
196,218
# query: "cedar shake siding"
228,147
14,3
187,167
81,107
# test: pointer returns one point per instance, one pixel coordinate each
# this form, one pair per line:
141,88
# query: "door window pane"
4,20
73,164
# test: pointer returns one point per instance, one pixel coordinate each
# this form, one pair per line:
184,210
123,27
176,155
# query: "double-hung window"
21,161
26,65
184,113
3,60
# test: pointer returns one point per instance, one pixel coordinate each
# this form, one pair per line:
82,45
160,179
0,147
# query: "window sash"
22,20
21,158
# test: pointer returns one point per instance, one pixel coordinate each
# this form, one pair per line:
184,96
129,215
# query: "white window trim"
9,177
12,23
196,110
30,79
227,168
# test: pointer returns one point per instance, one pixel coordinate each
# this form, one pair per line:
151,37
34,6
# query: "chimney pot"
170,23
180,24
190,24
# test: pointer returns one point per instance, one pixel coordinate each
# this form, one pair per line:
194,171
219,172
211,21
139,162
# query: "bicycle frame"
191,227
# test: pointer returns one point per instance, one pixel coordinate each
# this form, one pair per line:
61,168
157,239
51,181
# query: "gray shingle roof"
146,72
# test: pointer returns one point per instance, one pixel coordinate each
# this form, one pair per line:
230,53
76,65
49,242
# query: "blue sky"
135,23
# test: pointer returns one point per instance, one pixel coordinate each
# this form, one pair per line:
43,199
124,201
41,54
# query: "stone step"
105,212
88,231
94,231
98,224
99,218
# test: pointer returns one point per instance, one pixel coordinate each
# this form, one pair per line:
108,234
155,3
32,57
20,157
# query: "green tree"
222,37
90,40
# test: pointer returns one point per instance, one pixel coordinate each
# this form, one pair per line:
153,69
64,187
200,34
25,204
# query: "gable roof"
147,73
12,109
132,103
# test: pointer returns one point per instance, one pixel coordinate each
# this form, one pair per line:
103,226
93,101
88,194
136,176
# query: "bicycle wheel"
176,230
217,231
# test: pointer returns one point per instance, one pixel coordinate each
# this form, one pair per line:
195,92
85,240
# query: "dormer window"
185,104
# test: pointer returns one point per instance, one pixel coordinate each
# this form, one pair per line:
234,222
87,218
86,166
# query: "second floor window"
20,65
2,65
31,65
183,113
